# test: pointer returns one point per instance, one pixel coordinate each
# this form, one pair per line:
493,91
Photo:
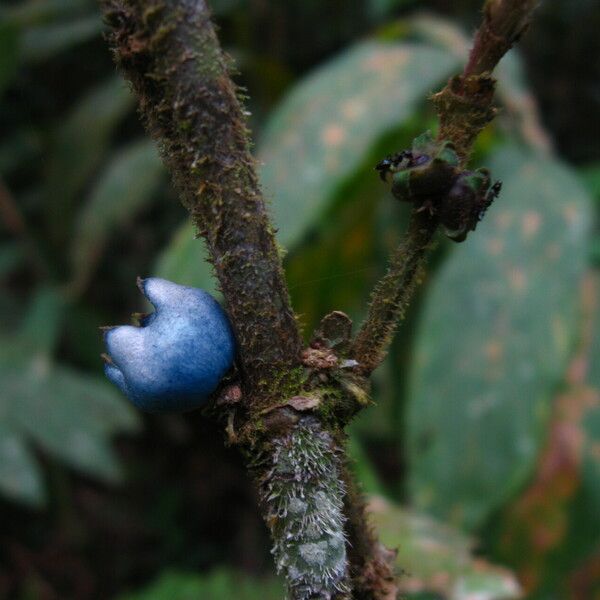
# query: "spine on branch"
169,52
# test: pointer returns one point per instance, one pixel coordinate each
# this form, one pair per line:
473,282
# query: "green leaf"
185,260
218,585
591,177
594,361
224,7
323,131
497,330
75,415
70,415
35,31
595,250
18,148
43,42
362,466
437,558
551,530
382,8
126,185
20,478
319,286
42,326
81,144
583,539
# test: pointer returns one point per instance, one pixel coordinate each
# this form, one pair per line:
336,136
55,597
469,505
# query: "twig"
504,23
464,108
465,105
516,100
393,292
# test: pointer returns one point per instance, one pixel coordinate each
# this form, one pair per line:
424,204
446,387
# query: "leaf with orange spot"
321,135
324,129
538,523
550,531
497,331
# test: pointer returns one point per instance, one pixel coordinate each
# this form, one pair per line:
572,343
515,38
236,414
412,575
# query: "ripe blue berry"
178,355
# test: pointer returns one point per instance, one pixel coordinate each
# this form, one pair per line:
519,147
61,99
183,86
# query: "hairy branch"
465,105
169,52
302,493
392,293
464,108
504,23
372,565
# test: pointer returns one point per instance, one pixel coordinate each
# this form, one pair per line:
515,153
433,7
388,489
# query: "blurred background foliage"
482,455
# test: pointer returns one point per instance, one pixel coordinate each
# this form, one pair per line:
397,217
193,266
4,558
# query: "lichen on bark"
302,493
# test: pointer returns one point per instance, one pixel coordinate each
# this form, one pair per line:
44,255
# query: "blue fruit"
178,355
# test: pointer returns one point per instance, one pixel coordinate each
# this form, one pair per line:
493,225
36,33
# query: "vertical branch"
169,52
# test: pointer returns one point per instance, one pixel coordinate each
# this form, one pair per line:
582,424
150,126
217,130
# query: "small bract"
178,355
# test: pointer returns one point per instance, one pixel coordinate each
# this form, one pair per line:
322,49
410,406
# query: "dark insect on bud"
397,162
465,205
428,177
423,173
